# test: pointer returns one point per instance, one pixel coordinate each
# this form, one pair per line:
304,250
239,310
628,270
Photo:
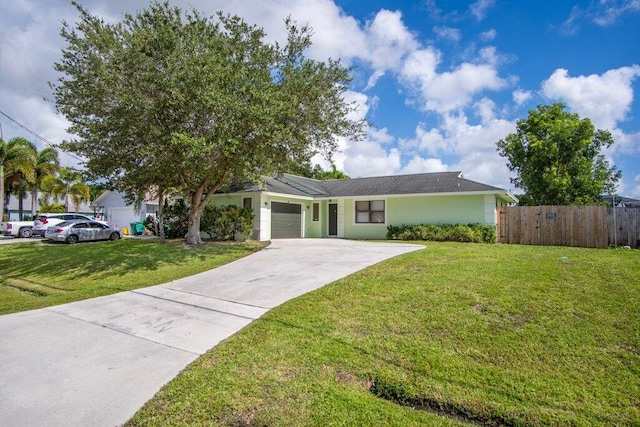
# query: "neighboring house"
113,208
14,210
291,206
622,202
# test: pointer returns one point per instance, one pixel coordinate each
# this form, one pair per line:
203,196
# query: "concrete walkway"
96,362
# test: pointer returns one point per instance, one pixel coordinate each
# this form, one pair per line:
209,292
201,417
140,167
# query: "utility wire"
41,138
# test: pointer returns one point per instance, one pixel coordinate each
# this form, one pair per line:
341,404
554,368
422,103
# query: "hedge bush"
220,222
476,233
227,222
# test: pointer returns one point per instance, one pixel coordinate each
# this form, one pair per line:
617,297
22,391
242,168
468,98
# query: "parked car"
45,220
17,228
81,231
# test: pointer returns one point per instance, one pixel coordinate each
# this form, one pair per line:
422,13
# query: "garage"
121,217
286,220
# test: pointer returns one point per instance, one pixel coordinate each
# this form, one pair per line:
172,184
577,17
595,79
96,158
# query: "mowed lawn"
457,334
42,274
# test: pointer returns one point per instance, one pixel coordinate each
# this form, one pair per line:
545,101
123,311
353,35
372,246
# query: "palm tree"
53,207
69,184
17,157
47,164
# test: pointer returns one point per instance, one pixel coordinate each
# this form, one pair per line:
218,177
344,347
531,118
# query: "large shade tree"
166,99
558,158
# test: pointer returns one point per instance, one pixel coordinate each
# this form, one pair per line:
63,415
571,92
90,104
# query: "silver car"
45,220
81,231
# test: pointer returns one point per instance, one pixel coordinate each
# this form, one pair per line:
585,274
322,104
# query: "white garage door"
121,217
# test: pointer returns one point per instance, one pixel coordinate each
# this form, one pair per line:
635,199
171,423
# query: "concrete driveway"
96,362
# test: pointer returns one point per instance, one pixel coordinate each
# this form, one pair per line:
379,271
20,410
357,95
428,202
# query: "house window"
246,202
370,212
316,211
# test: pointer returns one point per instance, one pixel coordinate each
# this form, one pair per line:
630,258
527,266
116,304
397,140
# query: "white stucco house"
114,209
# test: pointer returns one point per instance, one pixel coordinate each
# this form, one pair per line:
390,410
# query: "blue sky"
440,81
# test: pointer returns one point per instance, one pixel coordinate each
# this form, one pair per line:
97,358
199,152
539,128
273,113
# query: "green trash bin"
137,228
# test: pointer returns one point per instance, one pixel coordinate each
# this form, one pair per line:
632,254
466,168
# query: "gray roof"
424,183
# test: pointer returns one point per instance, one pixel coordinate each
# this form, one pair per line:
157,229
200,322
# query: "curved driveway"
96,362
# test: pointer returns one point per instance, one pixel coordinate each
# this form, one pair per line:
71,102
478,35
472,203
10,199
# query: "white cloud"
448,33
368,158
388,42
480,7
450,90
430,141
626,143
635,191
521,96
608,11
489,35
603,13
419,164
472,146
605,99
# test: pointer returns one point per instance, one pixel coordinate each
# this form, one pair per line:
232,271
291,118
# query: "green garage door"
286,220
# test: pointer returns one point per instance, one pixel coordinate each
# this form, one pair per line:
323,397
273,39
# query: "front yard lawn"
453,335
45,274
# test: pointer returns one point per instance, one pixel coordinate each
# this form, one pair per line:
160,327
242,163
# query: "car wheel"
26,233
72,239
114,236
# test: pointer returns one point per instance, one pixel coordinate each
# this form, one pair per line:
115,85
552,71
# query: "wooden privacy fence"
582,226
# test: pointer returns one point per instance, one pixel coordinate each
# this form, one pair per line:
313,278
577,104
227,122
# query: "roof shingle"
424,183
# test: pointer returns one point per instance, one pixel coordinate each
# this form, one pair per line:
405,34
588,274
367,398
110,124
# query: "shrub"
227,222
176,217
220,222
476,233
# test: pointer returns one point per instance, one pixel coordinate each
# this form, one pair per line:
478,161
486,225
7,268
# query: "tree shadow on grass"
99,260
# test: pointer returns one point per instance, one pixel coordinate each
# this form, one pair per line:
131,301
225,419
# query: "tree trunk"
2,192
195,212
160,221
34,201
20,207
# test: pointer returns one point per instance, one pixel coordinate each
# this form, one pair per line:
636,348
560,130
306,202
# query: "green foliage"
227,222
18,159
476,233
176,219
54,207
68,185
151,223
557,158
172,100
315,171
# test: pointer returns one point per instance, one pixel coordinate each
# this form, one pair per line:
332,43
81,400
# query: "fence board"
624,226
583,226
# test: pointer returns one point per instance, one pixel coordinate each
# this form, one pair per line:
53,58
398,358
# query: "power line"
41,138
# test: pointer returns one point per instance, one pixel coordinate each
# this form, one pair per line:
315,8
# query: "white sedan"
81,231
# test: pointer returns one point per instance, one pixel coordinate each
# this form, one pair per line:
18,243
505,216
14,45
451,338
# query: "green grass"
43,274
454,334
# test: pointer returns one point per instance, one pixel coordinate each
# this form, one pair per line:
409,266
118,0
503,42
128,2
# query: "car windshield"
65,223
